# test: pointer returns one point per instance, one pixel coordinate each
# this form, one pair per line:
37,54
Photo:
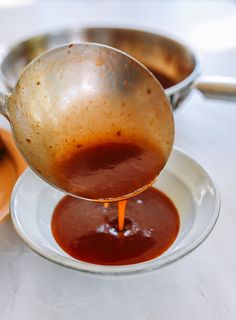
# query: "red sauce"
121,215
109,170
164,80
89,231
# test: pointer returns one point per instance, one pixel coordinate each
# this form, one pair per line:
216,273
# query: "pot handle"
217,87
3,105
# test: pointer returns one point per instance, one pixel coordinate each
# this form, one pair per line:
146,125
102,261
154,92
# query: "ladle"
69,95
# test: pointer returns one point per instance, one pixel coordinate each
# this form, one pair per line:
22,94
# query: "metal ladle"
69,95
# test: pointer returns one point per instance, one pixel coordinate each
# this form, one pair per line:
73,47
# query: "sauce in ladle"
109,170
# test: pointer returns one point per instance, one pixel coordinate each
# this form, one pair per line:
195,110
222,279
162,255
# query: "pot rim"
169,91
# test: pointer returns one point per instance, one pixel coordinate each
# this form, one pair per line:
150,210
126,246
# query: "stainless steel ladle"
71,94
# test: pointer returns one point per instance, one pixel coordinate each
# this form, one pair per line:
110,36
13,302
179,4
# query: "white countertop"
201,285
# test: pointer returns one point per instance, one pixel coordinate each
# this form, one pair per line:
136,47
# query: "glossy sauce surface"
88,231
109,170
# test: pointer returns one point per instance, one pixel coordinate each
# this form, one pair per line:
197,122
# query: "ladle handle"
217,87
3,104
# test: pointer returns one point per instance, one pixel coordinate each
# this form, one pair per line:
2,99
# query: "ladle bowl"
69,95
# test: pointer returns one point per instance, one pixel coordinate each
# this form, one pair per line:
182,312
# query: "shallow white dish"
183,180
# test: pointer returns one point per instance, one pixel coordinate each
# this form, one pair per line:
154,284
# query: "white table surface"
203,284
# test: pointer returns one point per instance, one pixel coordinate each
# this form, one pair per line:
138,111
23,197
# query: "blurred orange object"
11,167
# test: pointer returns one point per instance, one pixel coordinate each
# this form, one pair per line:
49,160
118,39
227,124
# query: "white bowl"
183,180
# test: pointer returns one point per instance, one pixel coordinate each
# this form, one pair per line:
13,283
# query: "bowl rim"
126,269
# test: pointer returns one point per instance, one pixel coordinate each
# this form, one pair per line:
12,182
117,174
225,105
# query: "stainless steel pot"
159,53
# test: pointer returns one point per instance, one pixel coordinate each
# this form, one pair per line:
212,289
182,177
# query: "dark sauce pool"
88,231
164,80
